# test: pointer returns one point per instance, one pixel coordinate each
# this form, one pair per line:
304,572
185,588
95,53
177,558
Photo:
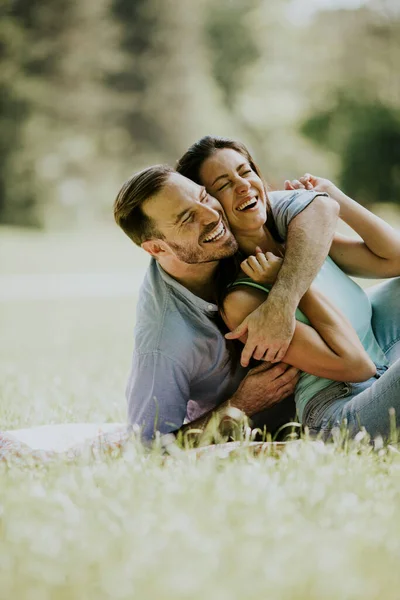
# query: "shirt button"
211,307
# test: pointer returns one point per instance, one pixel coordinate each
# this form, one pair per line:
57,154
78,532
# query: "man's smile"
216,234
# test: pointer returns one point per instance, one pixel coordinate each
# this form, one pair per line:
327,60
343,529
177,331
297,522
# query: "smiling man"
181,367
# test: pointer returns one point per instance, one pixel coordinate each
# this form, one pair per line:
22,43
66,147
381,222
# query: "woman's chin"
253,220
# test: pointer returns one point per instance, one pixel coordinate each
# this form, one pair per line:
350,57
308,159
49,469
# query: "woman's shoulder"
241,299
243,281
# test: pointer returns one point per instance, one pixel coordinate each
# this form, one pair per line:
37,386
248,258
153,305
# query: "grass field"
315,523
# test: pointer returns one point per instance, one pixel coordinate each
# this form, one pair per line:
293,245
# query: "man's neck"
197,278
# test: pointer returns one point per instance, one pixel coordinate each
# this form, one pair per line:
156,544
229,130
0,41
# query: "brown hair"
191,162
128,204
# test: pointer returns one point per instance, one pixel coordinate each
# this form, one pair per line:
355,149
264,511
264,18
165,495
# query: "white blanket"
62,437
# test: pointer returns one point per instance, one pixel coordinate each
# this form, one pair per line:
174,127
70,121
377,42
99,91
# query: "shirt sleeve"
158,391
288,204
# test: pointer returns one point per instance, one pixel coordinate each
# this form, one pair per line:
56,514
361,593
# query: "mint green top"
354,303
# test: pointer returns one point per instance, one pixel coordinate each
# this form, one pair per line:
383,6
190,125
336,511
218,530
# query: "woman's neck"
248,241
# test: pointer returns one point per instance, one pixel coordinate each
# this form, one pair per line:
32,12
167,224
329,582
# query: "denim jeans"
367,403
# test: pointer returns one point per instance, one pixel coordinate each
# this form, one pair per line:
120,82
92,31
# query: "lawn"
314,523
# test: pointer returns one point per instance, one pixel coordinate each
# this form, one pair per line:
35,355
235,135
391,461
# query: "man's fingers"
260,368
286,390
288,185
237,333
281,352
271,354
290,375
247,353
259,352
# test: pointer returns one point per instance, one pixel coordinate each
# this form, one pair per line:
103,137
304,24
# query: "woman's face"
228,177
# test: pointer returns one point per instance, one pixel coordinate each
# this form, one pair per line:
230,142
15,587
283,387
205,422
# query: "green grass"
314,523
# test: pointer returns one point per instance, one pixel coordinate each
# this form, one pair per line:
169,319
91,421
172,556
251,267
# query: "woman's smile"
247,204
229,177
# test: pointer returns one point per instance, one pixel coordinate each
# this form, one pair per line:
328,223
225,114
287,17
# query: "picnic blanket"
46,442
69,441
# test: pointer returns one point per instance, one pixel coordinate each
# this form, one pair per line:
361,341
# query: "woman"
346,373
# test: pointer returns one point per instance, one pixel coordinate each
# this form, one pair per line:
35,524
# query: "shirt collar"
206,307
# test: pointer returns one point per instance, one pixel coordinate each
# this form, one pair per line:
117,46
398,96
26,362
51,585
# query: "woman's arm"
378,253
330,348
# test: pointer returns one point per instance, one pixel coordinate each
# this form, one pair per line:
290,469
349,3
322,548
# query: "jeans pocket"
319,410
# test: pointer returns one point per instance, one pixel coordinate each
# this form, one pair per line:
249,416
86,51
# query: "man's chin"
225,250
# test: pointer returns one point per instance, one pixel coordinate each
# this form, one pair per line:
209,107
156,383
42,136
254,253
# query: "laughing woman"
346,343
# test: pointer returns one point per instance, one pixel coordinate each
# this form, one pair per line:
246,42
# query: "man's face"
192,222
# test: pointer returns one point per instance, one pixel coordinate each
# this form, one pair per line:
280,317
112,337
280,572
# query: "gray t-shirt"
180,368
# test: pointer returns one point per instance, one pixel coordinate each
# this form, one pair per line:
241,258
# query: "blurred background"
92,90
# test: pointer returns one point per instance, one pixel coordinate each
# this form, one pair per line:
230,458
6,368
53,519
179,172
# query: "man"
181,368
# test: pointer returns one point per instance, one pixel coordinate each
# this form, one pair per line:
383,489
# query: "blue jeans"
365,404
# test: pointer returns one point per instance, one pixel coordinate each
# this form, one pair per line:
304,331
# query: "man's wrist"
282,296
236,402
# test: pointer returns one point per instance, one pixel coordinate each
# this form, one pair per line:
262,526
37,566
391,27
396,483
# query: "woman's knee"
385,296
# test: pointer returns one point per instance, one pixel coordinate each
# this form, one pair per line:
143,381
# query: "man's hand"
269,330
264,386
263,267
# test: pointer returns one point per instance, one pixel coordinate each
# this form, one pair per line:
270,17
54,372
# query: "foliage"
367,138
92,90
233,45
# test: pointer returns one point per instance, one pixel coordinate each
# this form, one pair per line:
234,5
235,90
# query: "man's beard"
196,256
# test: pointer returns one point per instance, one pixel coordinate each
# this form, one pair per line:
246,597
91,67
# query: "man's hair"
128,205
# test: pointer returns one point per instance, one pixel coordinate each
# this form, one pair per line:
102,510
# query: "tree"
366,137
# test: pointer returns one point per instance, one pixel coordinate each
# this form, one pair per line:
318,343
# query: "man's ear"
155,248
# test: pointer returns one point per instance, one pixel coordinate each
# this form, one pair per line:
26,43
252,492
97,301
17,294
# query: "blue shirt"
180,367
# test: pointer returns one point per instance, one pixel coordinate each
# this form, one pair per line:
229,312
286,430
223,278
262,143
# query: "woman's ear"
154,247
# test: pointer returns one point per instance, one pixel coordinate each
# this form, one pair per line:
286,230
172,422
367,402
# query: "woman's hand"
310,182
262,268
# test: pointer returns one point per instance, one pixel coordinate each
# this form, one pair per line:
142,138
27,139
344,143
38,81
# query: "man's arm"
270,328
159,389
263,387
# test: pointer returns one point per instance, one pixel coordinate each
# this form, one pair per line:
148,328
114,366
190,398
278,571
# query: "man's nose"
209,214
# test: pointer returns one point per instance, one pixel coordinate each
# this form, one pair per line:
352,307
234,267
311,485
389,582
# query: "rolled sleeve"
288,204
157,393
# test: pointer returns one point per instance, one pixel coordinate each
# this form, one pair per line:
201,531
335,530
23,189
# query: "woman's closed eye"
223,186
243,174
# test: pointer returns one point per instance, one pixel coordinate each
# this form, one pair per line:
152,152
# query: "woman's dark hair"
228,270
191,162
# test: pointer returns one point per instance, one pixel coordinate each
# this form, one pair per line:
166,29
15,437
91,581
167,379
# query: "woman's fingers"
262,260
246,268
253,262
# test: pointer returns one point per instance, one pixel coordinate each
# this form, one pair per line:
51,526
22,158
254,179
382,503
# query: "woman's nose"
242,186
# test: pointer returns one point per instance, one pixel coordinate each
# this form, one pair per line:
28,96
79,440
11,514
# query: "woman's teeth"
216,234
247,203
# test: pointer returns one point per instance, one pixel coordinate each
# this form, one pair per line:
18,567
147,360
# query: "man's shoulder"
165,319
